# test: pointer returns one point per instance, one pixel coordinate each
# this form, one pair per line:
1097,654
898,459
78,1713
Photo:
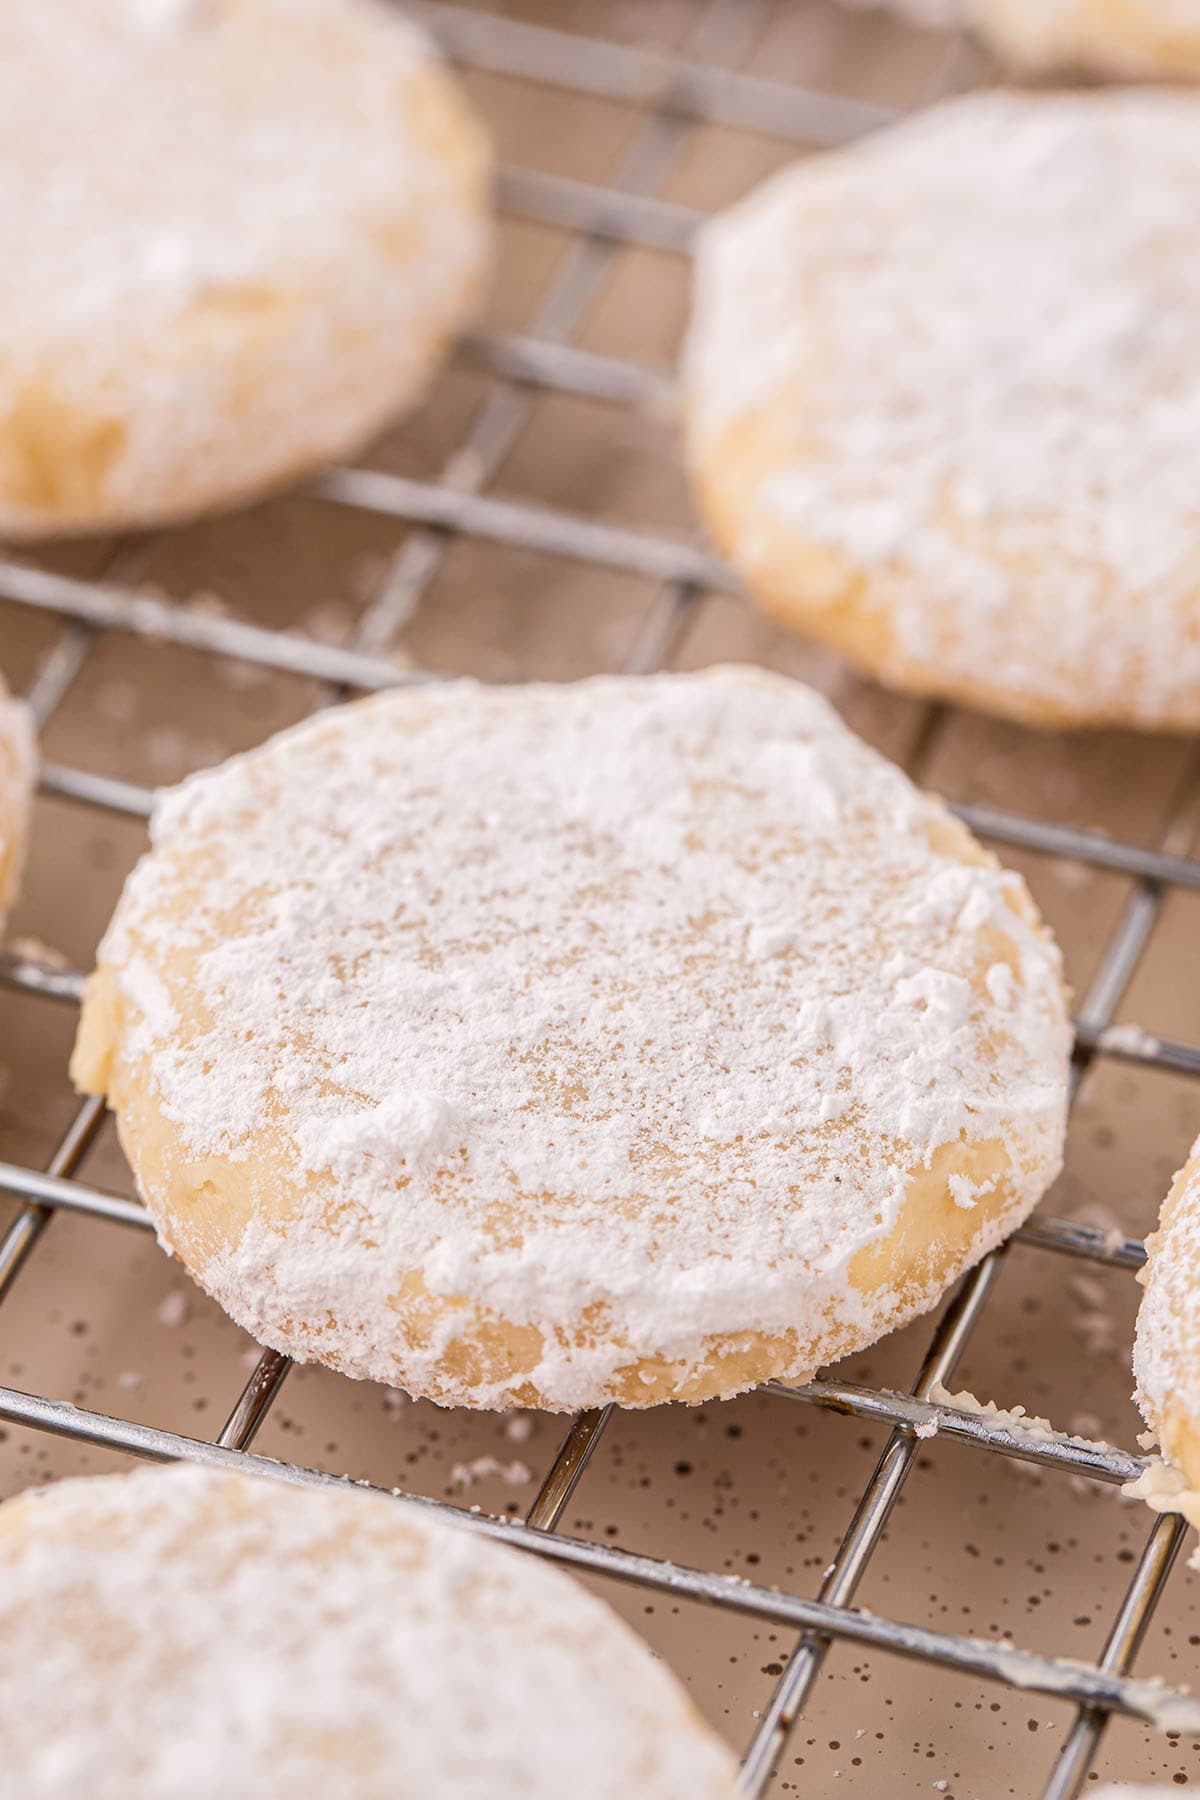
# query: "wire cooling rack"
676,93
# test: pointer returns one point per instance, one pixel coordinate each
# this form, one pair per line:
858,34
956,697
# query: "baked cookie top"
218,1634
245,228
943,402
640,1038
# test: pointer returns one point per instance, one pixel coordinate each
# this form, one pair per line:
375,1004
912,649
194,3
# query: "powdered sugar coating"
17,760
246,229
944,401
1166,1352
563,1043
175,1634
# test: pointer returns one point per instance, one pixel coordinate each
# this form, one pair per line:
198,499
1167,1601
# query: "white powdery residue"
1165,1489
944,997
264,1628
1165,1708
490,1468
766,940
623,1002
961,360
1009,1418
148,994
519,1428
174,1310
411,1129
1001,984
967,1193
927,1429
1130,1040
871,530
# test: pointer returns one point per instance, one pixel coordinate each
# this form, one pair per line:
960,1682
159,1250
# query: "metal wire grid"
679,94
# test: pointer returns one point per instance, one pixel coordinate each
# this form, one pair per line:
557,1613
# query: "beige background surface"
760,1486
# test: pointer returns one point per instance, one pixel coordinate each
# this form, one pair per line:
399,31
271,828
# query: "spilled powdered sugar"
973,341
621,1011
185,1633
1129,1040
489,1468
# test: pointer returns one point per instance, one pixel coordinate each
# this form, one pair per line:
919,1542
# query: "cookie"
943,403
637,1040
1166,1355
217,1634
247,229
17,758
1129,39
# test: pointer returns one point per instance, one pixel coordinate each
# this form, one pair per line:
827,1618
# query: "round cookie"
1166,1352
17,756
943,403
186,1632
247,229
1132,39
641,1039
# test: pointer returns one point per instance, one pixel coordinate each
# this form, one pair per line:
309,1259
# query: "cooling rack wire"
677,93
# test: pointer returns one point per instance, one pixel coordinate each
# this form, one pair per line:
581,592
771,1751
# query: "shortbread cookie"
636,1040
943,403
239,234
16,788
1166,1354
189,1633
1135,39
